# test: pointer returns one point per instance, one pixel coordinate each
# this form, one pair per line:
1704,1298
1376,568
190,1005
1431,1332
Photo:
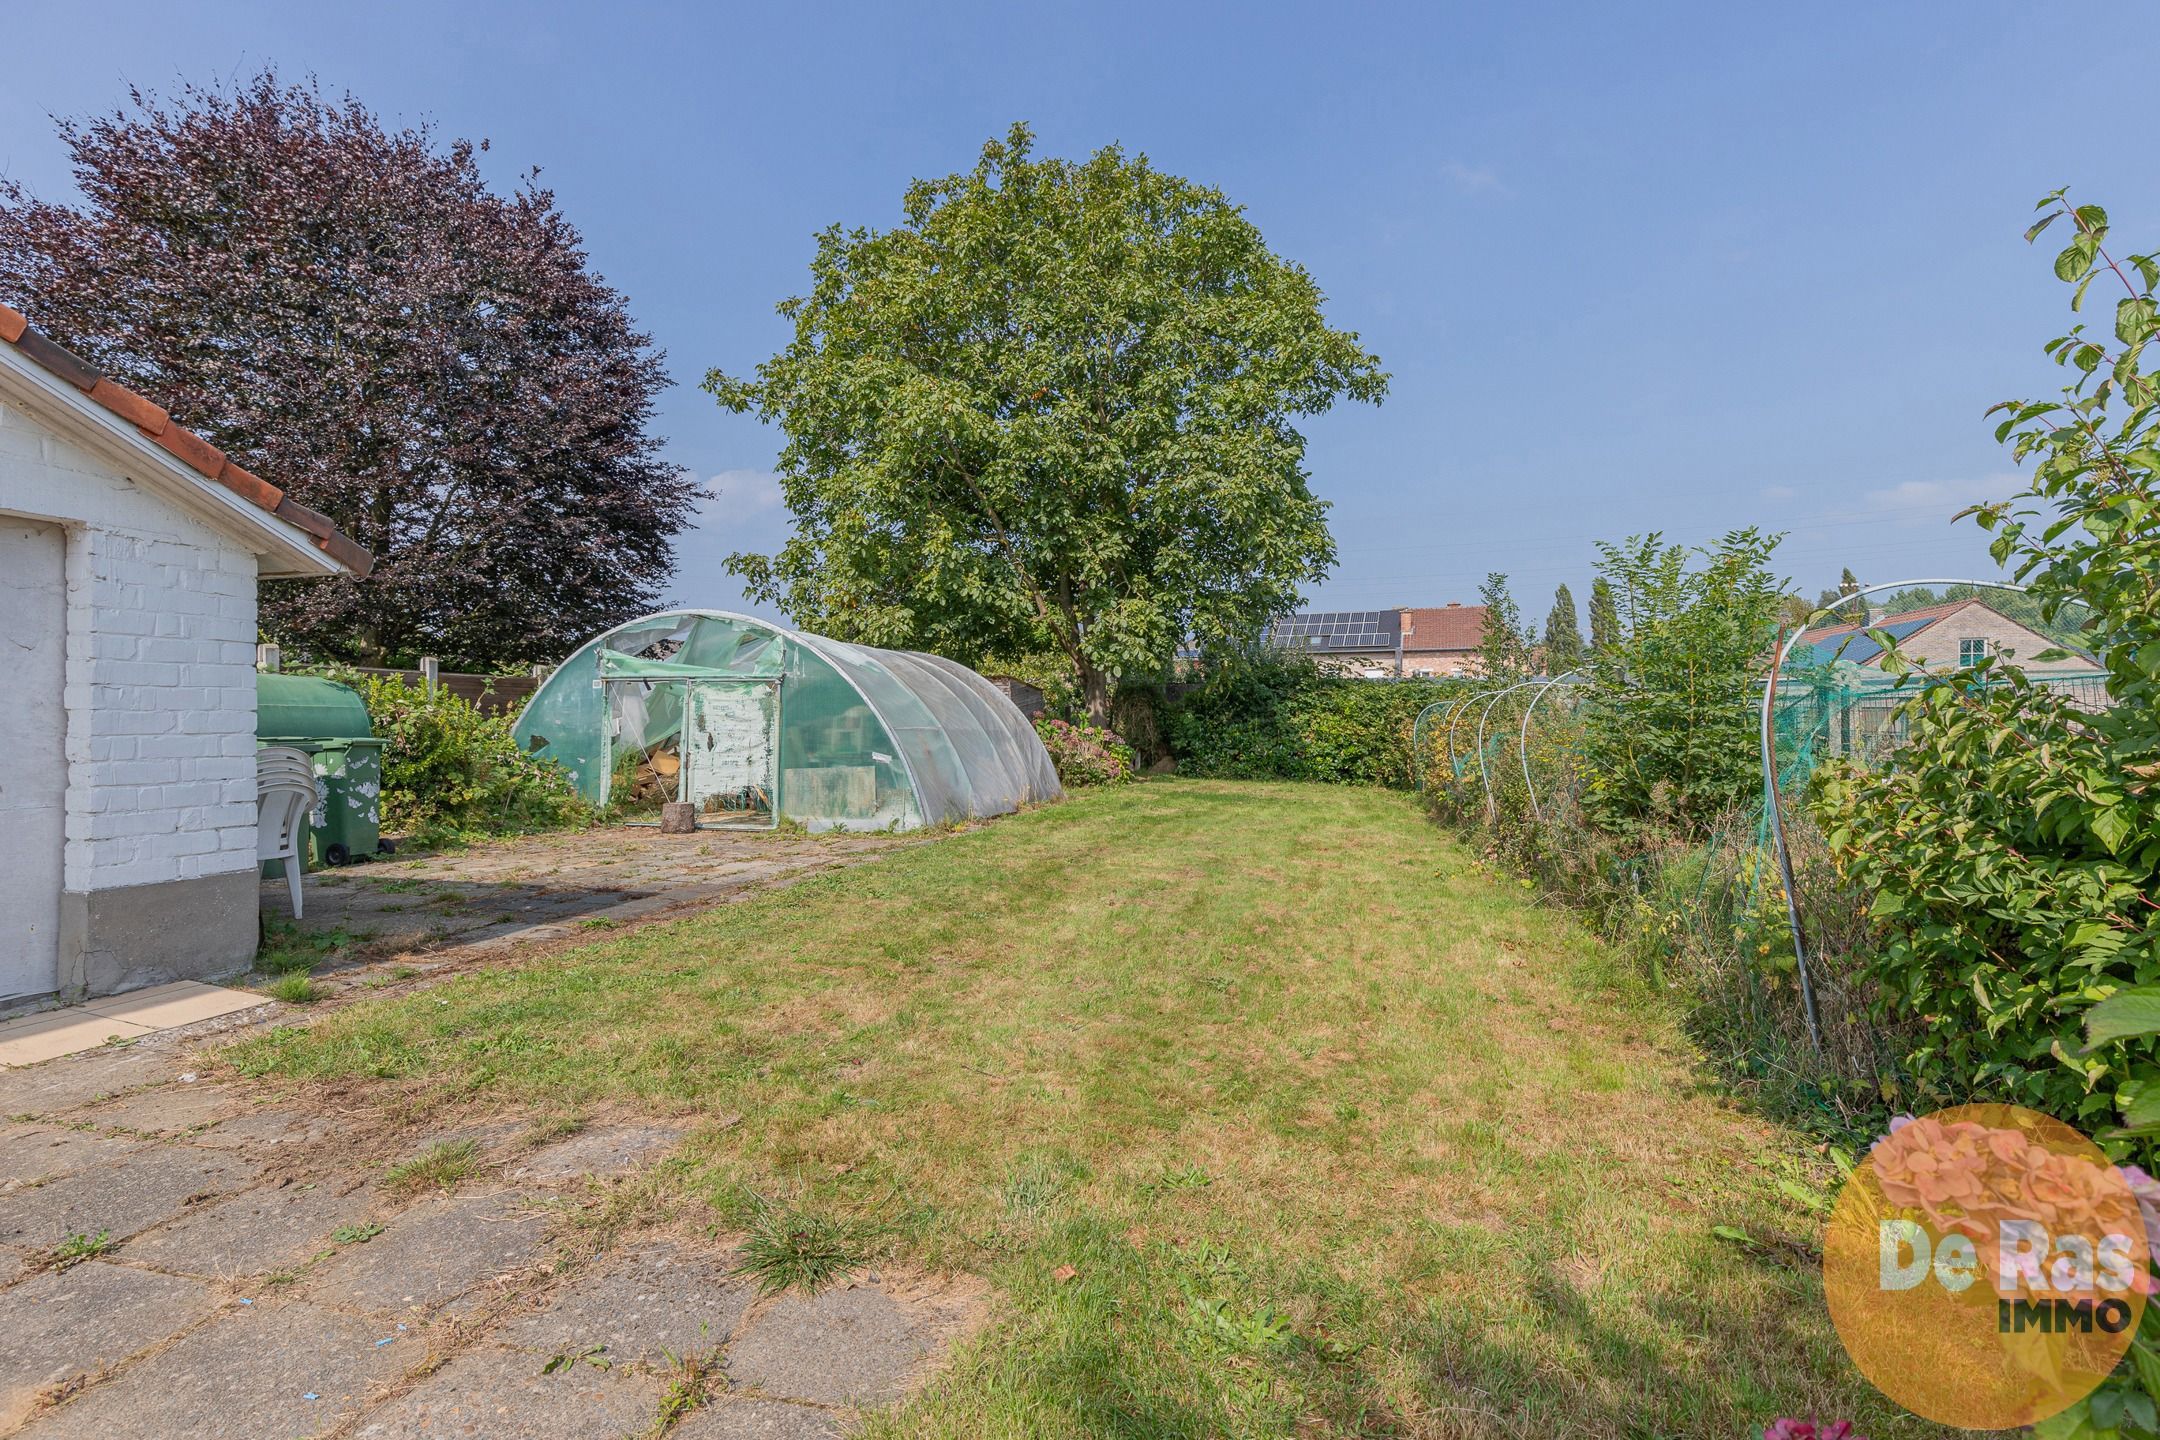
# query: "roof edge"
156,427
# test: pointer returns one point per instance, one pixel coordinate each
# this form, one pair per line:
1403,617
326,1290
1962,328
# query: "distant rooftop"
1339,632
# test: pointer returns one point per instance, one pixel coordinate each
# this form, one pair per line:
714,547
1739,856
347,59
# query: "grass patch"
439,1167
287,949
1268,1111
788,1249
295,987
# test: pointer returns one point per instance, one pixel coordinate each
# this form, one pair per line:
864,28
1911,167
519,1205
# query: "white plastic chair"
285,792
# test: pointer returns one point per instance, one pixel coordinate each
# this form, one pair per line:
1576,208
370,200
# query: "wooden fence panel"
490,694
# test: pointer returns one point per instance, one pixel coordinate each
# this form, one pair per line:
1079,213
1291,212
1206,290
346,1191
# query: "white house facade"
129,554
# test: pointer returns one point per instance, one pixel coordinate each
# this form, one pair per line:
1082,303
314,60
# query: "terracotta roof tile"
194,452
128,405
1443,627
198,454
253,488
61,361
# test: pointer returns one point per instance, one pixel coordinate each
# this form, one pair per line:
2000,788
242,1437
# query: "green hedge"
1282,718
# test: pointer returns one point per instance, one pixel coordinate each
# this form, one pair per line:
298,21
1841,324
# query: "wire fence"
1755,910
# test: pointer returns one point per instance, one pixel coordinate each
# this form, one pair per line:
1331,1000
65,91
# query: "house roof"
1336,632
1852,644
1444,627
183,444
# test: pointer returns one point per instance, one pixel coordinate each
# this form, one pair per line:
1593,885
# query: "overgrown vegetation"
1273,715
2012,856
450,772
1086,754
1669,727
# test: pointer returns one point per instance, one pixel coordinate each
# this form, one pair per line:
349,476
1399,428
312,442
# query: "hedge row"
1283,718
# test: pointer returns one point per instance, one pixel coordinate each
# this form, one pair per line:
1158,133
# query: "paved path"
546,887
186,1257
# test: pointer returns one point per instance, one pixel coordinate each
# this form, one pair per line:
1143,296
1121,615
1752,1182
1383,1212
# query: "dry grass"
1267,1111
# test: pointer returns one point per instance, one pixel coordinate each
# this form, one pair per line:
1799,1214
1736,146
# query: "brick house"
129,553
1385,644
1442,640
1957,632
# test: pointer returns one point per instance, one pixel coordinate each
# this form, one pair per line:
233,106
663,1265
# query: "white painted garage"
33,755
129,553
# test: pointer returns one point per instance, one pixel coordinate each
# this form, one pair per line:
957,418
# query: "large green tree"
1051,410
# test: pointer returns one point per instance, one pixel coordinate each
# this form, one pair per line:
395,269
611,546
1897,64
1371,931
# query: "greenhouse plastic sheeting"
866,739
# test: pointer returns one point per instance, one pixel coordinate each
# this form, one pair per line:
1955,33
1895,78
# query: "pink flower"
1791,1429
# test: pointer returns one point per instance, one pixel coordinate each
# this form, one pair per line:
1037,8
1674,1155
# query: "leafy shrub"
2013,850
1669,728
1274,716
1086,754
448,771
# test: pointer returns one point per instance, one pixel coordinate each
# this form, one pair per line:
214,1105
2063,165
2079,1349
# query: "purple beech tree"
353,314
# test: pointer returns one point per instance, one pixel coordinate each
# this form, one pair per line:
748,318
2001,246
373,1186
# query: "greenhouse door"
731,753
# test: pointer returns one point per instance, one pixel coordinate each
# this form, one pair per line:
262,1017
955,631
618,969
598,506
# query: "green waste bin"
330,723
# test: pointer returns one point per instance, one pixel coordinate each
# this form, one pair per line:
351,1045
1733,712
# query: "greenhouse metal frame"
757,724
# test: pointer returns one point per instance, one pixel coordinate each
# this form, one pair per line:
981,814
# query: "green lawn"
1338,1133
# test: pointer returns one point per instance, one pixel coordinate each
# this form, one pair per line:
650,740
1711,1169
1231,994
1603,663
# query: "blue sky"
1633,268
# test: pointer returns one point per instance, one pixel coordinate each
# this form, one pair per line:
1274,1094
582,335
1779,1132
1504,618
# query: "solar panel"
1335,632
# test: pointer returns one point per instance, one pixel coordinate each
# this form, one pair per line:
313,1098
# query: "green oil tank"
330,722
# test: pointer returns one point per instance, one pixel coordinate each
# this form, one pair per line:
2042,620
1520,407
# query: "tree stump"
678,817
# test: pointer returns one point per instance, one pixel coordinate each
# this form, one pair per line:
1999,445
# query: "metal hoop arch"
1522,745
1492,809
1772,804
1461,708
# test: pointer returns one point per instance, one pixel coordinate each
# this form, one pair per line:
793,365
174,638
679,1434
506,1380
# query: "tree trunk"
1095,691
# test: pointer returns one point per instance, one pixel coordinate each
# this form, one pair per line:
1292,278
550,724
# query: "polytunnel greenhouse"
755,724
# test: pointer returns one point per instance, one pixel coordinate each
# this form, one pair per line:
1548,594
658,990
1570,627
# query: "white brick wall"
160,691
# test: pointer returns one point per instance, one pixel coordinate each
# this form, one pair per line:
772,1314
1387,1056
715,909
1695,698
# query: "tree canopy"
1563,645
1604,615
1504,644
352,313
1051,410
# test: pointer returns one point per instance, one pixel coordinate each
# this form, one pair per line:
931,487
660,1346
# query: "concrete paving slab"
436,1255
601,1150
183,1002
14,1264
29,1153
48,1036
844,1347
120,1197
265,1370
62,1324
737,1417
63,1084
253,1233
662,1298
266,1129
166,1109
501,1393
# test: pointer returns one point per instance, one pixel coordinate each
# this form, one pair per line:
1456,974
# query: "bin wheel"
386,847
335,854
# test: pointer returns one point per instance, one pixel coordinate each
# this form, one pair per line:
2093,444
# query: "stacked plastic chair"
285,792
